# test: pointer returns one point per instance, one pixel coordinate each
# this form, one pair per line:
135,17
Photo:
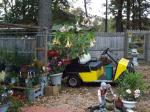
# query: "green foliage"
13,57
12,75
16,105
131,81
71,44
55,65
26,11
134,12
2,76
111,25
78,12
5,95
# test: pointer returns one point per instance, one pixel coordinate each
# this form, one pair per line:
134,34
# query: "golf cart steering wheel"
105,51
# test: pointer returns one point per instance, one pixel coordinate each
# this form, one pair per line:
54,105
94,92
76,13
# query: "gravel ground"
78,99
144,104
72,99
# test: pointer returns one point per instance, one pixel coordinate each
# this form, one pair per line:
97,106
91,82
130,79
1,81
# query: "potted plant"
55,68
69,43
13,77
131,87
2,76
5,95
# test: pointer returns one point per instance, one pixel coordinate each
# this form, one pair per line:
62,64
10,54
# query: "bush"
131,81
16,105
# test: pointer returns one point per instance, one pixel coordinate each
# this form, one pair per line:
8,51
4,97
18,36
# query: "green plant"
2,76
7,98
131,85
13,57
12,74
70,43
55,65
16,105
5,95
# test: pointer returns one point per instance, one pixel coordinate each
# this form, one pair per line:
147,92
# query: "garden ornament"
134,54
102,91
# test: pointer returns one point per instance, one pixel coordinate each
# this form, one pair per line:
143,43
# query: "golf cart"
93,70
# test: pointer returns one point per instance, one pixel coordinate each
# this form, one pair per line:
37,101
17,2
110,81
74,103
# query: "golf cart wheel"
74,81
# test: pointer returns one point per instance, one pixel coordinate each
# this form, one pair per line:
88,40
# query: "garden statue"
134,54
102,91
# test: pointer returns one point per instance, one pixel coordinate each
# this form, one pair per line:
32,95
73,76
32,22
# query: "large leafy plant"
72,43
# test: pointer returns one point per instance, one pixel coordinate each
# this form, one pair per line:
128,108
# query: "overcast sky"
95,7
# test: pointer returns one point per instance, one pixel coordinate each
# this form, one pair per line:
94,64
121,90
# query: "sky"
95,7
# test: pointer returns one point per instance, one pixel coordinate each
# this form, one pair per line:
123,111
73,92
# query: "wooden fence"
114,41
148,48
146,42
25,43
118,43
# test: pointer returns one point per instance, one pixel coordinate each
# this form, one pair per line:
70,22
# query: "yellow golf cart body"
95,75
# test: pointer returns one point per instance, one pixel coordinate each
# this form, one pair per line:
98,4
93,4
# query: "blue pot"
56,79
4,107
44,80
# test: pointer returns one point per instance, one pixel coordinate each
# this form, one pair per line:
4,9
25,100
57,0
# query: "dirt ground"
144,104
78,99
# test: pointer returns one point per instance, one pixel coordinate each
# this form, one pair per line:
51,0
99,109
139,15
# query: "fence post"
126,44
46,46
147,47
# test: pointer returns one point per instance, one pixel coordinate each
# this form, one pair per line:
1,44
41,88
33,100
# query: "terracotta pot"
118,103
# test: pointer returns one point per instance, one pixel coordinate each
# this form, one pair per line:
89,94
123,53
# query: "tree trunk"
44,21
85,7
45,14
23,10
140,18
133,15
106,19
119,23
128,14
5,10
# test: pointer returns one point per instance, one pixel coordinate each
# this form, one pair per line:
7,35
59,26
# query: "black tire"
74,81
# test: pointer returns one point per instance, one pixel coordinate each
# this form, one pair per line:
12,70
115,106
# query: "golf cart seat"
75,66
